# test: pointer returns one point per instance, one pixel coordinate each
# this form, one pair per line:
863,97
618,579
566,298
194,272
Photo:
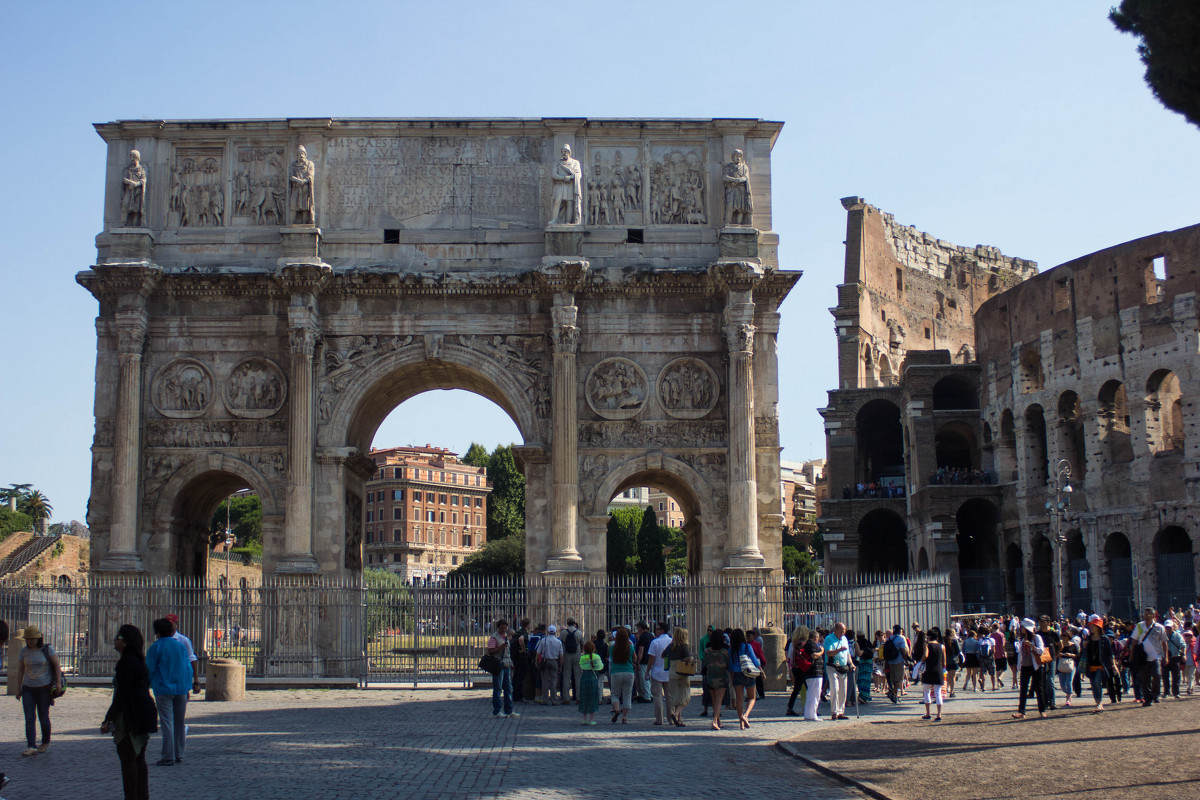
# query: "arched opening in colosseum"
880,443
955,447
922,561
1114,423
1118,556
1164,412
887,377
882,543
1007,462
981,580
1031,370
1078,580
1070,421
1043,575
954,392
1037,465
1176,568
1014,576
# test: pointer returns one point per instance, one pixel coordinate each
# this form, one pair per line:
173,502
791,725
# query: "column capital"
739,337
131,325
564,333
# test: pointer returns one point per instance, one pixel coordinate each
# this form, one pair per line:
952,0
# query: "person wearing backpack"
1174,663
895,654
572,642
814,654
795,658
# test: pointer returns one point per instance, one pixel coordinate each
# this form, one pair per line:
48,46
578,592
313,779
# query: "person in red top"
999,653
756,645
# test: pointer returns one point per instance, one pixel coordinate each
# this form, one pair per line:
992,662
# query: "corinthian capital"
740,337
131,332
303,340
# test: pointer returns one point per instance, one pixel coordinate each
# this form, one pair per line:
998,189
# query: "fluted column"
123,555
303,333
564,460
743,487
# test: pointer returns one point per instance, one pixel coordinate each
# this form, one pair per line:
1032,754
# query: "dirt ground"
1070,755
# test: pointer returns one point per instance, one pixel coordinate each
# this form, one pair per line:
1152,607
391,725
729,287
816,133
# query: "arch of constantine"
269,290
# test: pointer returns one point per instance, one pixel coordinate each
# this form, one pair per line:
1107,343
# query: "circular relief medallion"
616,388
182,389
256,388
688,388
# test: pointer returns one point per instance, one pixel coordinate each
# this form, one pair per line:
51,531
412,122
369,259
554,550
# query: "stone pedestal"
14,652
738,242
301,244
130,245
564,240
225,679
775,671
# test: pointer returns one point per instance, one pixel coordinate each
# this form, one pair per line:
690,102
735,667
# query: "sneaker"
513,714
165,762
29,751
43,747
791,712
501,714
4,779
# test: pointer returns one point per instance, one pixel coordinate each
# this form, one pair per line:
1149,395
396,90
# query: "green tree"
506,503
16,490
1169,31
13,522
505,556
245,518
676,551
37,506
798,562
650,542
389,602
621,540
477,455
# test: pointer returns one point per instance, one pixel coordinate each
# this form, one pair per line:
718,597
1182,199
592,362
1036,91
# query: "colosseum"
1032,435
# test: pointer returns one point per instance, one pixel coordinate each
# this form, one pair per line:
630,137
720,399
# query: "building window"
467,540
397,494
416,497
395,558
453,499
477,519
454,477
477,480
397,513
453,559
397,534
416,513
672,505
479,502
442,477
454,518
368,535
429,516
660,505
442,499
441,516
370,516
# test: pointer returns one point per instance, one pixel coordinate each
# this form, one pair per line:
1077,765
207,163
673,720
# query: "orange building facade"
425,511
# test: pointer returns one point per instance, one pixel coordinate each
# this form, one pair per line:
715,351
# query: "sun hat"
1028,624
31,632
1097,620
1170,623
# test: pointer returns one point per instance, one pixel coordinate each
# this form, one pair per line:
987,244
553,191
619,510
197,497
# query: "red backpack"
799,658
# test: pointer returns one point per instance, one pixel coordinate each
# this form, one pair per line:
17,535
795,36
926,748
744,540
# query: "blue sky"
1021,125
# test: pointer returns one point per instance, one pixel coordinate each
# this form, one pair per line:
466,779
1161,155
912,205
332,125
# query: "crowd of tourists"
1043,659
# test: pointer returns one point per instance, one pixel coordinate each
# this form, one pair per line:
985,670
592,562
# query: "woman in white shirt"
1029,649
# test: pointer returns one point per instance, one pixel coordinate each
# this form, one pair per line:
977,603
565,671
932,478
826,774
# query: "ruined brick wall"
68,560
906,290
1095,362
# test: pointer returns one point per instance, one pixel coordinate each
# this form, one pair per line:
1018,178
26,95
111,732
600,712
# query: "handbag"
55,675
490,664
686,667
747,666
918,671
1066,665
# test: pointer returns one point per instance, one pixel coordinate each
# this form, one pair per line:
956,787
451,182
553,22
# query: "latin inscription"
433,182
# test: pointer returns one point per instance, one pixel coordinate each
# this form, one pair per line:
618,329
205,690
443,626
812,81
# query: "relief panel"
678,185
197,194
182,389
255,389
260,185
614,186
688,388
617,389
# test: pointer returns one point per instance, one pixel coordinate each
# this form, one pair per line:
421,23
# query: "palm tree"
38,507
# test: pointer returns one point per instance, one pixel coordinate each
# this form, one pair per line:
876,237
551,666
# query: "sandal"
615,715
1018,716
938,718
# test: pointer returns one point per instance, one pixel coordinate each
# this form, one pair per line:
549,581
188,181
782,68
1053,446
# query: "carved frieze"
677,186
521,356
255,389
766,431
592,470
687,388
211,433
182,389
260,185
660,434
614,186
617,388
197,193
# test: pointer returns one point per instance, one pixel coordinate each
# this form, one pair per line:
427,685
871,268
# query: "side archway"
1175,562
882,543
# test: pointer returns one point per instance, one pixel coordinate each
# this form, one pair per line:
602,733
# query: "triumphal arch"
269,290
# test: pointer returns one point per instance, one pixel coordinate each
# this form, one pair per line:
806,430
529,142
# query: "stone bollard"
775,673
14,652
225,679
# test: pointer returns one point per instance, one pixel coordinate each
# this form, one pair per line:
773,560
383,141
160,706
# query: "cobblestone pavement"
432,743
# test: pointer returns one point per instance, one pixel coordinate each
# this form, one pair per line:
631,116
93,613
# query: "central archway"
882,543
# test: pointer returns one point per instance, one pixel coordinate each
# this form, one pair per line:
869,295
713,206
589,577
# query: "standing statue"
133,192
300,182
567,201
739,204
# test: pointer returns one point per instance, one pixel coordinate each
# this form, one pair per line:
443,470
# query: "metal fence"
375,629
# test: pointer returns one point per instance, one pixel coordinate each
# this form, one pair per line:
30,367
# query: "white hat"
1028,624
552,629
1170,623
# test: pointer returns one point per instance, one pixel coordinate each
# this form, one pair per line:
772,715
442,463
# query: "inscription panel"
433,182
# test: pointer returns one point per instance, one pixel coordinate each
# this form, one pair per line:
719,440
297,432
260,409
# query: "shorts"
740,679
971,660
1001,664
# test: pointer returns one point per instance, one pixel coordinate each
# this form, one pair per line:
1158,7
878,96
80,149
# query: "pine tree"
1169,31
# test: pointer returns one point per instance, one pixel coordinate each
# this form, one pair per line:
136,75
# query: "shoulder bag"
747,665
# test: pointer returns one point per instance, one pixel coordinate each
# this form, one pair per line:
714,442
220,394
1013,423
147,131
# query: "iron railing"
379,630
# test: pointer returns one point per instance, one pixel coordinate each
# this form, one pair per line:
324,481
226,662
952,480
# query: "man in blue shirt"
896,662
837,670
170,678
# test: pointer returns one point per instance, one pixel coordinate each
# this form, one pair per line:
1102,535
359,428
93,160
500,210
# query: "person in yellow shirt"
590,668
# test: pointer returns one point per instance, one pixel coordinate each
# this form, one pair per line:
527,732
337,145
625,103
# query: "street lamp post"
1057,507
229,540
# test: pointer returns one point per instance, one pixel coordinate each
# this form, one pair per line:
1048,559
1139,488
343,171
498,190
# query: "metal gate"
1079,586
1176,580
982,591
1120,578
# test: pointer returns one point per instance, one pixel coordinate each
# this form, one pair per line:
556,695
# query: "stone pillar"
303,333
123,555
743,486
564,458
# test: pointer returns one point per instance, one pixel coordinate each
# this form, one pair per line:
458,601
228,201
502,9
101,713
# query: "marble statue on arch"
300,179
567,201
133,192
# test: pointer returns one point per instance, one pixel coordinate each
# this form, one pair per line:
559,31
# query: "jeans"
571,675
1148,678
520,667
1171,676
643,682
813,699
662,700
36,699
1032,677
1047,676
1098,680
838,685
797,684
502,683
172,712
1064,681
622,688
134,775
